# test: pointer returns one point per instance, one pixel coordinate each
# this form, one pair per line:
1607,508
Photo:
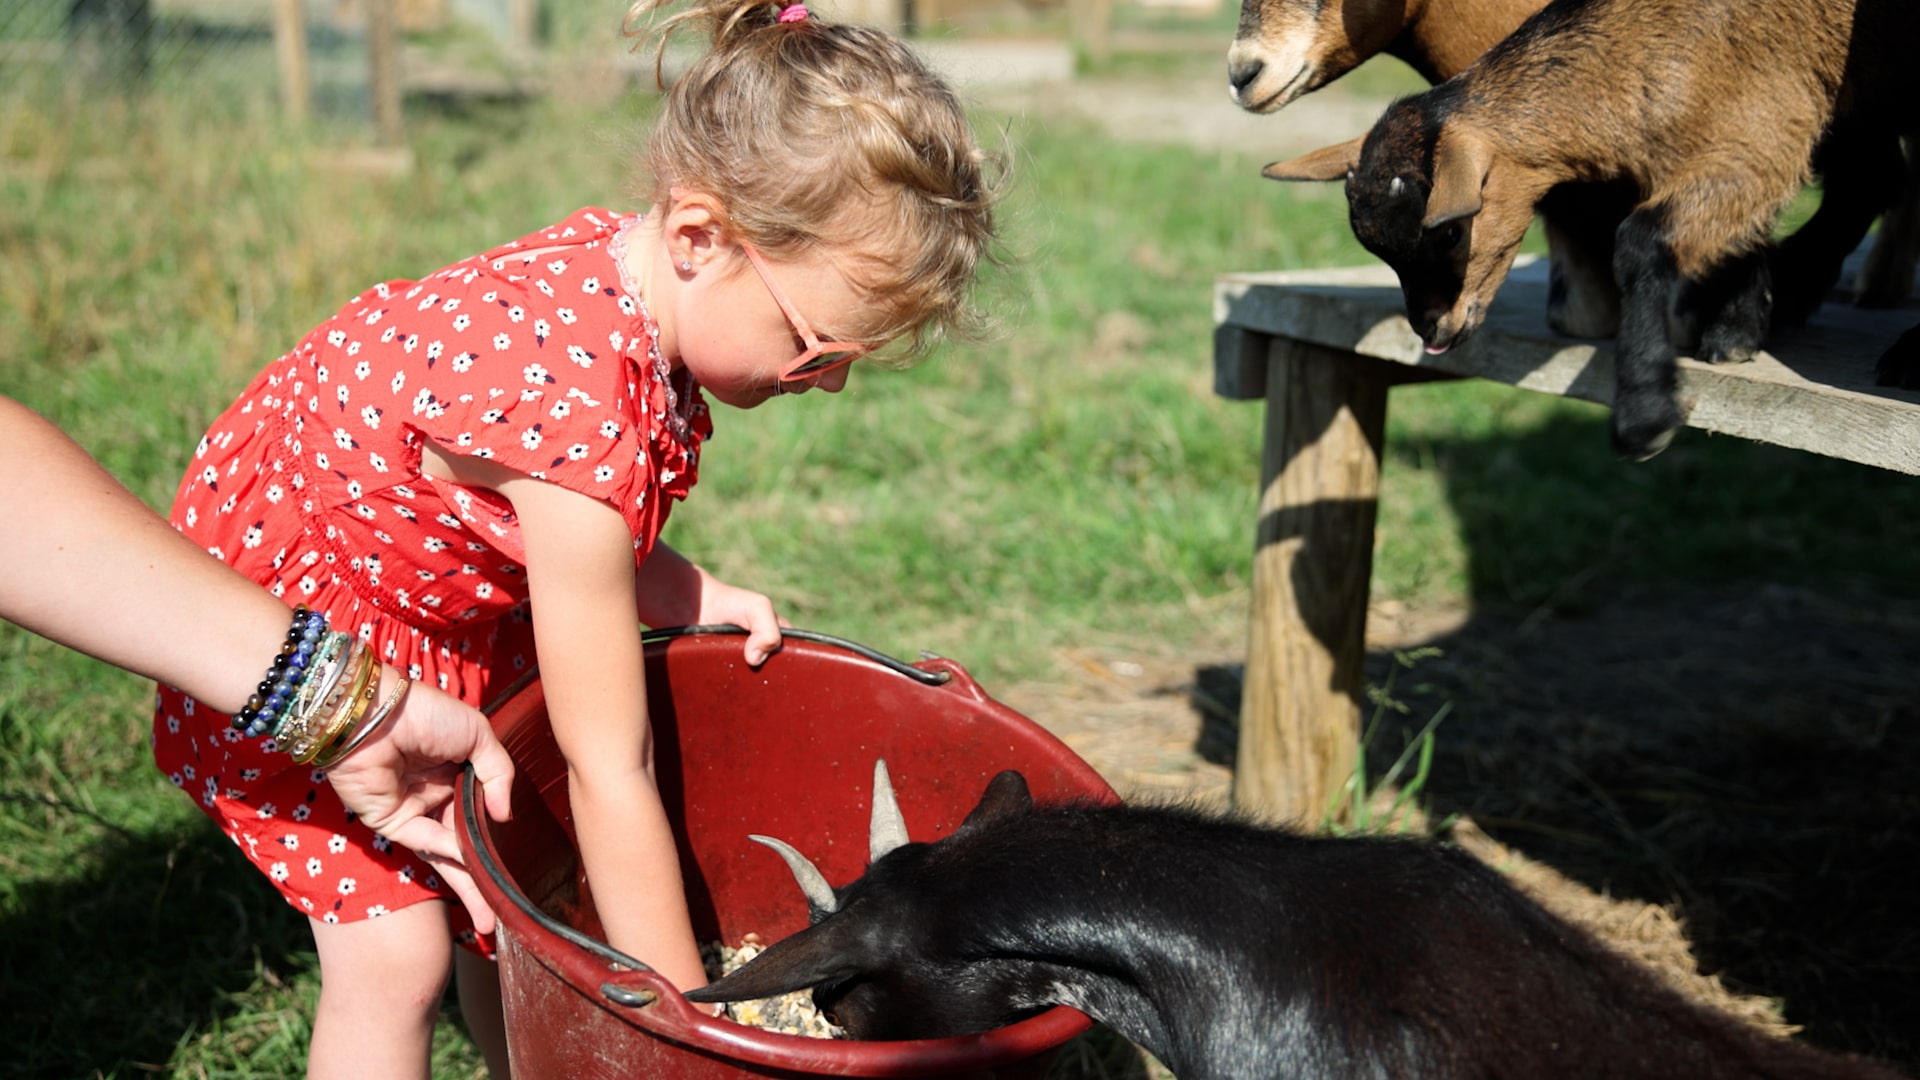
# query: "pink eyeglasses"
820,356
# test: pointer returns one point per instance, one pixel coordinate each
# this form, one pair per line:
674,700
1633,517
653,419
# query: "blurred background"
1686,686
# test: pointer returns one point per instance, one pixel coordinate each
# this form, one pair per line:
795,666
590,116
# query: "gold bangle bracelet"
386,709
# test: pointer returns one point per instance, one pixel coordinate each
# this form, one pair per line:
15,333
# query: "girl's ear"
694,230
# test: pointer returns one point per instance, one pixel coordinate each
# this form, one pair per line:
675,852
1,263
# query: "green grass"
1073,481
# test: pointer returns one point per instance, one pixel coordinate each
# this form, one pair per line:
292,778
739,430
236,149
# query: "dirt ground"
1716,781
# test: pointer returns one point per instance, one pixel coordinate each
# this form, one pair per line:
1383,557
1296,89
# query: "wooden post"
1090,25
1313,557
290,49
383,63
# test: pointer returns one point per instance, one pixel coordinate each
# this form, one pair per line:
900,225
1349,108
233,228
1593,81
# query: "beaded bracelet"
285,676
320,693
386,709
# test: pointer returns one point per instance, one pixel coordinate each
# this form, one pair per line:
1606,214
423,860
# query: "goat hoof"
1899,366
1712,352
1641,433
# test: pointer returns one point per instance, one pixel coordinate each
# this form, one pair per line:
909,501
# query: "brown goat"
1703,115
1284,49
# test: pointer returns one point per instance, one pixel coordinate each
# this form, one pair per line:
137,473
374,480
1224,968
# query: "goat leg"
1646,412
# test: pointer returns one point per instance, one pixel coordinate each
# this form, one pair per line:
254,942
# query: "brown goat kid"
1703,115
1285,49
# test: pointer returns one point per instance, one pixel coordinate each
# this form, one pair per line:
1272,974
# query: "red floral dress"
538,355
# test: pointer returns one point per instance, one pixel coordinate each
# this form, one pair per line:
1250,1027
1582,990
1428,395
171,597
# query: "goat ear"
1460,164
1326,163
1006,797
811,957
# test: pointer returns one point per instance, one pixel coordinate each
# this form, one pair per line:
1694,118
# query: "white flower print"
516,314
379,463
534,373
343,440
560,410
252,538
557,267
421,400
603,473
580,356
541,329
434,544
627,306
609,429
492,416
545,289
290,842
501,342
370,416
434,349
336,843
484,590
432,299
389,334
266,811
462,363
376,911
590,285
331,918
382,845
278,871
275,493
490,295
337,338
565,315
353,349
376,314
346,886
308,586
465,438
448,520
452,305
302,812
577,452
362,369
530,438
320,459
412,343
406,874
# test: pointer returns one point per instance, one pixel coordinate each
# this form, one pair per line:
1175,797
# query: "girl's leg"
380,986
477,981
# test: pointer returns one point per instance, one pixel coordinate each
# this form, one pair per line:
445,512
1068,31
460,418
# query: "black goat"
1234,951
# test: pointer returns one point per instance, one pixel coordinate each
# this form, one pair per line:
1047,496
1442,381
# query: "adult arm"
84,562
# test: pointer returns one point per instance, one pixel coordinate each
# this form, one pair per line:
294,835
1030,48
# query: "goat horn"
888,829
820,899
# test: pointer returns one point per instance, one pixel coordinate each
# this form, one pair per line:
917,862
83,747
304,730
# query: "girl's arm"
84,562
673,591
580,579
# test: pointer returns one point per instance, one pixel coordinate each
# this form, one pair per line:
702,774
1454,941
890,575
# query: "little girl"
475,467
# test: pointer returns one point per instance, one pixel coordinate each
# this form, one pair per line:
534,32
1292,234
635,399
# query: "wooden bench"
1322,348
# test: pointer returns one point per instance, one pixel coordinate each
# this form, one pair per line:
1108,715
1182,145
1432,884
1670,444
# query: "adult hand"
403,780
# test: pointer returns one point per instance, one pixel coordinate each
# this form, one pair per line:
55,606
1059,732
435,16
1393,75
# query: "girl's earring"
686,266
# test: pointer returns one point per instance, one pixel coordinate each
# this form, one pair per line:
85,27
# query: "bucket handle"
919,675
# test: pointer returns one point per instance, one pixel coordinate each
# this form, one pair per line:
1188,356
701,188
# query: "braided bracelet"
285,675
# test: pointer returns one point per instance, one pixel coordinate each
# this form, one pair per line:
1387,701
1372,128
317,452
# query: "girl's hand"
724,603
403,779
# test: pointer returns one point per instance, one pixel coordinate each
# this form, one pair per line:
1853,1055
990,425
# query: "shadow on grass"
107,973
1692,682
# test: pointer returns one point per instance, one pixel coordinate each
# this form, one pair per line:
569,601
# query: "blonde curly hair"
821,135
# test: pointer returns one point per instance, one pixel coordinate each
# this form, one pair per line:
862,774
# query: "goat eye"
1451,235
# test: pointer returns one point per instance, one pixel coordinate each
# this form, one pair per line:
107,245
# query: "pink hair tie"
793,13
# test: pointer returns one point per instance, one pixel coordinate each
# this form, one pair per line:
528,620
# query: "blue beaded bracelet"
288,671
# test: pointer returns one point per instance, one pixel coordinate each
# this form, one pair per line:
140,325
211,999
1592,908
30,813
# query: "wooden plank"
1811,391
1313,556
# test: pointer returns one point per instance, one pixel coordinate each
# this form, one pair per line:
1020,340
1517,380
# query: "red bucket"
785,751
